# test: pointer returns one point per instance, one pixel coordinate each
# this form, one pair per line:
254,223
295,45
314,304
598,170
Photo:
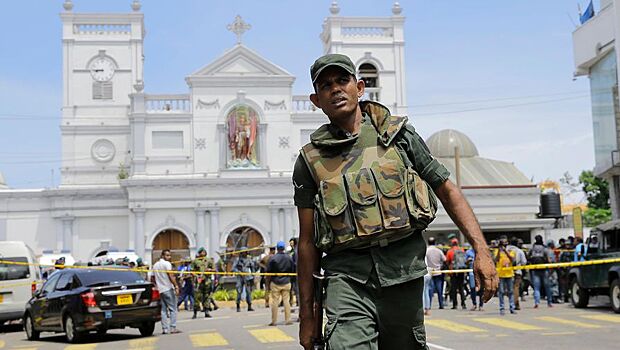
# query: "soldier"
245,281
371,175
202,282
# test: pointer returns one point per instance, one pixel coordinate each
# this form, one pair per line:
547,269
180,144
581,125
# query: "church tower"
377,47
102,65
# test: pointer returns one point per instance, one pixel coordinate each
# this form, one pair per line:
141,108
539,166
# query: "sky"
499,71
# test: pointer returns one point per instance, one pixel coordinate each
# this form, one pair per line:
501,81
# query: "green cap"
332,59
201,249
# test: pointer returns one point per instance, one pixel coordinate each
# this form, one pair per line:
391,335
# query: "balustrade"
102,29
167,104
366,31
302,103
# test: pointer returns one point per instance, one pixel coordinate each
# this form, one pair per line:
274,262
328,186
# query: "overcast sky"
499,71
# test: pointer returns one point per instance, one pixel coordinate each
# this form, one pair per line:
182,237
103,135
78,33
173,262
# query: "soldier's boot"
215,307
250,307
238,308
195,313
207,315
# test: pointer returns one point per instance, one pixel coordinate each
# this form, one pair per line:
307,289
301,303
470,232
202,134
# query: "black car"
76,301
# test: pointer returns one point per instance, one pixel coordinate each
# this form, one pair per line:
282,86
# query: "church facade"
211,167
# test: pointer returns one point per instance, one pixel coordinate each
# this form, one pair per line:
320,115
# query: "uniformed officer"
202,282
366,175
245,281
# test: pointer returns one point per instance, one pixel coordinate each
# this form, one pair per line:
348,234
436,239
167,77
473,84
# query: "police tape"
147,270
538,266
233,252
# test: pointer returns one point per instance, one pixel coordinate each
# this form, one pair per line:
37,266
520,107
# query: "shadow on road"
11,328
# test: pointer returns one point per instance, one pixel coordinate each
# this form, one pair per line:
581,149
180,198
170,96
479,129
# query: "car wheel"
31,332
72,335
579,296
614,294
147,329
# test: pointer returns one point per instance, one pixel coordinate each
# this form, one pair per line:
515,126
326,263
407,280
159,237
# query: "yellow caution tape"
540,266
146,270
227,253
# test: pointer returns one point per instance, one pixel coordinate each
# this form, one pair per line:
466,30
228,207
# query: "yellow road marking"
30,348
208,339
501,322
202,331
558,333
270,335
606,318
81,347
1,343
254,326
453,326
567,322
143,343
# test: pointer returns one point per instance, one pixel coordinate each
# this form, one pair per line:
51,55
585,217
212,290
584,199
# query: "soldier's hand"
306,331
485,274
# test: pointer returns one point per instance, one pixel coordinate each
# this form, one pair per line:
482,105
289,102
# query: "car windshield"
10,271
95,278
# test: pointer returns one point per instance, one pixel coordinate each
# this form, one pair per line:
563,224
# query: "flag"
589,13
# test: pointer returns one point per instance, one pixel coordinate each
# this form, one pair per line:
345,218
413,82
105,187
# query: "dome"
442,144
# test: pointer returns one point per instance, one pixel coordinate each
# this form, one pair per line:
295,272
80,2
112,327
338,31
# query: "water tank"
550,205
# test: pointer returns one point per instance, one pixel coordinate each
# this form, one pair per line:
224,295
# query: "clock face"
102,69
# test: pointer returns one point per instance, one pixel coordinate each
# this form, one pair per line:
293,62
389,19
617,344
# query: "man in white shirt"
434,261
168,290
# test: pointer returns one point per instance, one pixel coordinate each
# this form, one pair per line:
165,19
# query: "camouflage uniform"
202,284
373,294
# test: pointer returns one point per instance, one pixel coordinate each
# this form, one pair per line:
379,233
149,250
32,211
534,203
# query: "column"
288,223
139,231
275,225
214,232
281,227
67,233
200,227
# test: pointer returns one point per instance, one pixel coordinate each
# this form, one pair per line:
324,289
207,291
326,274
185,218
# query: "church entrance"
171,239
244,236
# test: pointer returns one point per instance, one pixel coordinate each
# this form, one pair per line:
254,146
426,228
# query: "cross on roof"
238,27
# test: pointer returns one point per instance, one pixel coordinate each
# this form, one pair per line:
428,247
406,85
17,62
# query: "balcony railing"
167,104
367,31
102,29
302,103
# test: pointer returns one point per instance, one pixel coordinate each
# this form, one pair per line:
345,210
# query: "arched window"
242,132
370,75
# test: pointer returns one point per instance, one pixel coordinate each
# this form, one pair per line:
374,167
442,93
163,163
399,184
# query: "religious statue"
242,124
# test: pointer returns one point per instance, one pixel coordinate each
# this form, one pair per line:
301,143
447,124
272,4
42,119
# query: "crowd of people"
446,281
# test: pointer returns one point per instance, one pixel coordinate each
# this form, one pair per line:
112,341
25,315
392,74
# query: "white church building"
213,167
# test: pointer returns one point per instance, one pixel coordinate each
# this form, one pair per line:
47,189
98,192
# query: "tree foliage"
594,216
596,190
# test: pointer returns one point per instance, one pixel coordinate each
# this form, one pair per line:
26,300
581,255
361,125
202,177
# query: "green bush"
226,295
258,294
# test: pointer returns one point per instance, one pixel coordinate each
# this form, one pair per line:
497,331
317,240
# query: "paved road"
561,327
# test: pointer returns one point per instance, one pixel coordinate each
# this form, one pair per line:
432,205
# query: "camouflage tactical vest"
367,194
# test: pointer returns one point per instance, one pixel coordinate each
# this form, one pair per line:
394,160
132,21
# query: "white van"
116,255
48,258
17,282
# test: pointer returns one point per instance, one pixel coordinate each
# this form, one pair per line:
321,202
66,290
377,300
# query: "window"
94,278
65,282
603,91
48,287
369,74
167,139
242,132
102,90
14,272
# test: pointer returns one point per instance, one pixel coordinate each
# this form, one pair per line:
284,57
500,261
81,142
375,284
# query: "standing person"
378,284
581,250
476,293
202,281
505,259
435,260
280,286
187,285
565,256
520,260
539,255
166,283
264,262
245,281
294,286
456,260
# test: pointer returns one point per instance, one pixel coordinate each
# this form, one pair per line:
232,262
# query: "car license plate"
108,314
124,299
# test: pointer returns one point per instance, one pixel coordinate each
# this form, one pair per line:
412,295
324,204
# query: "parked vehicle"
600,279
17,282
115,256
77,301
